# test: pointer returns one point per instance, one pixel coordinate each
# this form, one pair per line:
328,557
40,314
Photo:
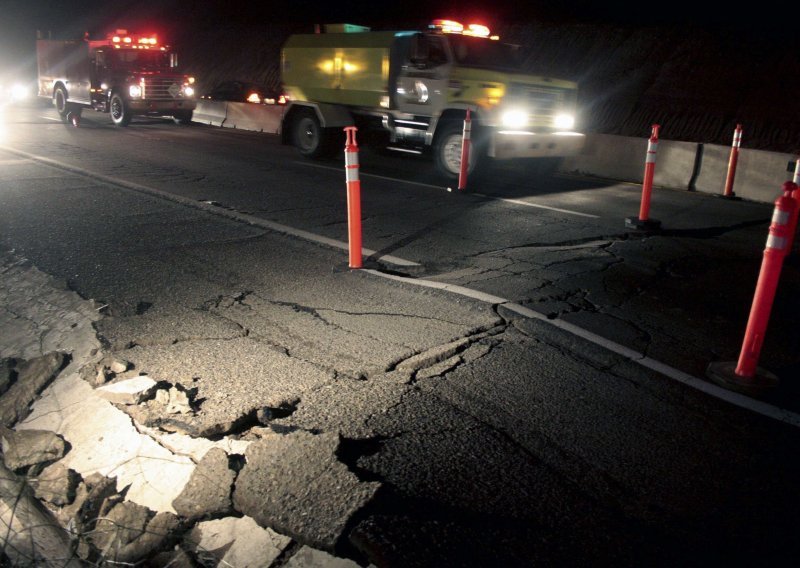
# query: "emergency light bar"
127,39
453,27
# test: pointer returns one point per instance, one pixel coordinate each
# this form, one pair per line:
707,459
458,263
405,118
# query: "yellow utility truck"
410,90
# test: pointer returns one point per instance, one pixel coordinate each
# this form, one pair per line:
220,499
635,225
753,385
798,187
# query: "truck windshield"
139,59
471,51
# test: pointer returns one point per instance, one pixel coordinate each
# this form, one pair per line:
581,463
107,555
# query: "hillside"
696,83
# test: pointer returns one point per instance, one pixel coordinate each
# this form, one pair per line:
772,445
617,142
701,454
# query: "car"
243,92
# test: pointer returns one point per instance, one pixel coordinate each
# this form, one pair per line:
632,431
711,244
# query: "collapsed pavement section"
82,481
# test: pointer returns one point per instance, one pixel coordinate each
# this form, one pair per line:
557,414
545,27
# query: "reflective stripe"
737,139
780,217
776,242
797,173
351,174
351,159
652,148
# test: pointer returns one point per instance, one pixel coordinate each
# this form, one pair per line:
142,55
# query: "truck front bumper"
509,144
163,107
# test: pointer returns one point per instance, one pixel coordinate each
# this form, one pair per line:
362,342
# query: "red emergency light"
453,27
122,37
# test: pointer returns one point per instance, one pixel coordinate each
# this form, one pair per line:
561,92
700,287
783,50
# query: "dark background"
695,69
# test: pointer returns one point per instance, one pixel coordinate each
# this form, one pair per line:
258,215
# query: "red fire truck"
123,75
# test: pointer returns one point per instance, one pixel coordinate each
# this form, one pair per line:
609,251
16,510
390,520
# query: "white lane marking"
711,389
250,219
385,178
538,206
50,118
420,184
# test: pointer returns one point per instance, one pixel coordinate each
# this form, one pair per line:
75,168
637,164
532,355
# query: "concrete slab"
239,542
104,440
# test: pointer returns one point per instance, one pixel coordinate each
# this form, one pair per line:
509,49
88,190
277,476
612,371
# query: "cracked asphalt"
401,425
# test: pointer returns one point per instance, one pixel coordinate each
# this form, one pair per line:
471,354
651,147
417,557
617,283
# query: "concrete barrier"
210,112
622,158
260,118
759,174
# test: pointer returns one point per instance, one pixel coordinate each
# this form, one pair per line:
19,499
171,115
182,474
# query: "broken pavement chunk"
208,492
28,447
287,476
129,391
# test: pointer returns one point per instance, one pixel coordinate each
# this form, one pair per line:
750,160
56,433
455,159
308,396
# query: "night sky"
19,19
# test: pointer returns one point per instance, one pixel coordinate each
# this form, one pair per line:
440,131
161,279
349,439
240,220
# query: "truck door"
423,78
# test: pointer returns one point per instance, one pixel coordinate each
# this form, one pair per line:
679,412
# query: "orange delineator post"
796,197
465,143
774,253
649,172
746,376
737,142
351,168
643,221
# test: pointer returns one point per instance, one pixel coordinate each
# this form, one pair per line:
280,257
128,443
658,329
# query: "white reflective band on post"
780,217
737,139
797,172
775,242
351,166
652,148
467,130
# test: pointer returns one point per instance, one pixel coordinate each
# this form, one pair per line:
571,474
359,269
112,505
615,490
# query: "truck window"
488,54
139,59
437,53
428,51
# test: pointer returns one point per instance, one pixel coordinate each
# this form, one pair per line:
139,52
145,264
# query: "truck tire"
120,113
309,137
63,108
447,150
183,117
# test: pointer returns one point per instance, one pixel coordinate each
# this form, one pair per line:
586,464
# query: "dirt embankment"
698,84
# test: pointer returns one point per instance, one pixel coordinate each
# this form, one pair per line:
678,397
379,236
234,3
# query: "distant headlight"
515,119
188,91
135,91
564,121
19,92
253,98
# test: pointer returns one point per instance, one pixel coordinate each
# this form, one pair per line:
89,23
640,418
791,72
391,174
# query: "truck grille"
163,88
542,102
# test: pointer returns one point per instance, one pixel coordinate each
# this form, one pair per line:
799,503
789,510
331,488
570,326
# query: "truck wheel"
183,117
311,140
63,108
447,150
120,113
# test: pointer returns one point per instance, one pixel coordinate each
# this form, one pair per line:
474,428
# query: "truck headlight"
564,121
514,119
135,91
19,92
188,91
